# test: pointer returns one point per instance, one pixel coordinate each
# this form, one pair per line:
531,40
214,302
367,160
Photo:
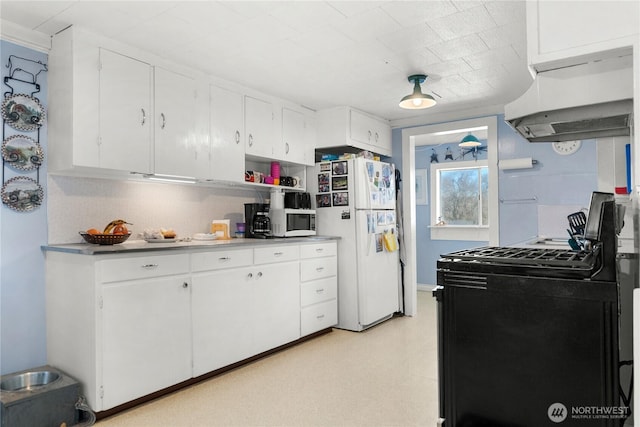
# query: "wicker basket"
104,239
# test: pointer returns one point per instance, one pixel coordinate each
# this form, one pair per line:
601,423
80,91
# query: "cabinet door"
175,126
146,344
222,318
293,136
276,296
382,138
259,127
361,127
552,39
227,135
125,113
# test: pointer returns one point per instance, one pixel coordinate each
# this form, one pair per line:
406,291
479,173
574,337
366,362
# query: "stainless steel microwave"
293,222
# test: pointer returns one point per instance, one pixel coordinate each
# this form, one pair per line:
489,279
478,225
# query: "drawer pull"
319,291
185,285
278,253
319,269
224,258
320,317
150,266
319,250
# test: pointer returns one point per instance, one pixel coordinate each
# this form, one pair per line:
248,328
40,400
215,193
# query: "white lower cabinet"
275,298
318,287
128,325
241,312
146,344
222,323
119,324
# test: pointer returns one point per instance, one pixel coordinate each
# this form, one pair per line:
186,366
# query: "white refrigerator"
355,199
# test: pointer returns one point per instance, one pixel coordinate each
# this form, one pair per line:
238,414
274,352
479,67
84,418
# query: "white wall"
22,290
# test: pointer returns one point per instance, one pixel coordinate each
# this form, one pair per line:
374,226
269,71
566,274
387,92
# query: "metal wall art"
24,113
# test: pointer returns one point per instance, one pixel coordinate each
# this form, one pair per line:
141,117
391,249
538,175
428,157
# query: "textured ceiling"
321,53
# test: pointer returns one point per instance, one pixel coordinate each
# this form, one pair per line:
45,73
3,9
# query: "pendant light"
469,141
417,100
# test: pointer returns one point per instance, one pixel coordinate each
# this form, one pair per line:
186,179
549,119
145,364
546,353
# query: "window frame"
455,232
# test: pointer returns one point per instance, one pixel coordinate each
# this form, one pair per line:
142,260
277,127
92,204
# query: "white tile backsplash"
76,204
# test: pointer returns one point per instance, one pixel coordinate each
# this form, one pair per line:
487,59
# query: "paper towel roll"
524,163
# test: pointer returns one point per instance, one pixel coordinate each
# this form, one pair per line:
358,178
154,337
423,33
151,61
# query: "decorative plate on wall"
22,152
22,194
23,112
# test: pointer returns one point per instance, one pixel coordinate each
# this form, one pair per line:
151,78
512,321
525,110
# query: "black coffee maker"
256,216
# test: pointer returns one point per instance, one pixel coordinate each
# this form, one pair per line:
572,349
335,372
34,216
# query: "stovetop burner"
533,261
529,256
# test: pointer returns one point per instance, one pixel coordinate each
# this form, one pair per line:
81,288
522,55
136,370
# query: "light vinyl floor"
384,376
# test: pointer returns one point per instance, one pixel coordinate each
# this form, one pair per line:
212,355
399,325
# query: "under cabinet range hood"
590,100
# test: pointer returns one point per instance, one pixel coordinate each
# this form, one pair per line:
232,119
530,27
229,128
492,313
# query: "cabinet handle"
286,145
376,136
319,269
369,133
259,273
278,253
150,266
250,275
319,250
319,291
185,285
237,137
144,117
164,120
250,140
320,317
224,258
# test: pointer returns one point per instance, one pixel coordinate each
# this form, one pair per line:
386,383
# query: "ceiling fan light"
469,141
417,100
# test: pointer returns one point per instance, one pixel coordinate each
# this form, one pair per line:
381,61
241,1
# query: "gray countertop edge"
143,246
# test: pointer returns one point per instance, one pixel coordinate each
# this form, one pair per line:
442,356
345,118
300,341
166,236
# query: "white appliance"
355,199
293,222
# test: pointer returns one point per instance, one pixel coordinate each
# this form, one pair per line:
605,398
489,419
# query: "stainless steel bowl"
28,380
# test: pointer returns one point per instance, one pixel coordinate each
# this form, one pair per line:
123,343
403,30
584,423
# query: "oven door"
512,346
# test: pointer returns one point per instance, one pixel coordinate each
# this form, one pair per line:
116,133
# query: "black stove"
523,329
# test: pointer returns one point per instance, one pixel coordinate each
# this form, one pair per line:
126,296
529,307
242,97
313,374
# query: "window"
459,200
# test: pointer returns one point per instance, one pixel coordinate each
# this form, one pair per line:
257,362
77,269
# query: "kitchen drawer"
318,291
271,254
316,250
317,317
216,260
317,268
141,267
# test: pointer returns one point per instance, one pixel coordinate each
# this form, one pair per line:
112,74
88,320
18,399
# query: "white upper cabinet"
102,104
568,33
125,113
294,145
178,144
226,110
259,127
120,110
370,130
346,126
